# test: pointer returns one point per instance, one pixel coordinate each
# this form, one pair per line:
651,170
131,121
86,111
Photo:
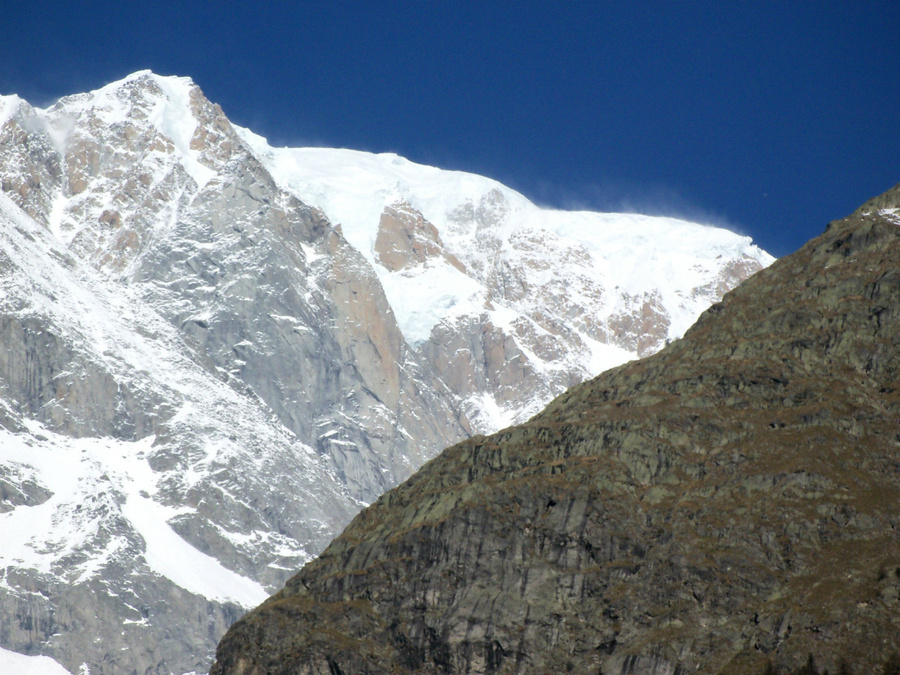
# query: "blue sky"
769,118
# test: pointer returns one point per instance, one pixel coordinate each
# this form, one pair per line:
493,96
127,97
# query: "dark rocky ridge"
732,499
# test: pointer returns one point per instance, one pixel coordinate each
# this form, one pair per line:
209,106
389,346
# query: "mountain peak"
138,88
889,199
9,104
144,79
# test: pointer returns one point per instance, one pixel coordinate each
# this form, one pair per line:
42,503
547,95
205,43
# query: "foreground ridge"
729,501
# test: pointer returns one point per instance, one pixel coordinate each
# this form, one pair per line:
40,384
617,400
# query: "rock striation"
729,501
163,301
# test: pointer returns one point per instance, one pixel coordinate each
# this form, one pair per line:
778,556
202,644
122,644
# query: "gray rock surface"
114,438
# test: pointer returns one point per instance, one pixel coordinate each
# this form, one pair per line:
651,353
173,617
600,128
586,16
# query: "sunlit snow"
12,663
8,107
630,254
598,266
130,341
85,470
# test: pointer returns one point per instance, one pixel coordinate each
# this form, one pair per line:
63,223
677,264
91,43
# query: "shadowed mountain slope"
730,500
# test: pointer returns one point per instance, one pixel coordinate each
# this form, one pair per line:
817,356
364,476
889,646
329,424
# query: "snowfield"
632,253
12,663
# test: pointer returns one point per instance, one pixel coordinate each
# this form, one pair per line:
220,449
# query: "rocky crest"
728,501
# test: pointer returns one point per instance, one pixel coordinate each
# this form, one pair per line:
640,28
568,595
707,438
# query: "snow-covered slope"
629,254
215,351
575,292
12,663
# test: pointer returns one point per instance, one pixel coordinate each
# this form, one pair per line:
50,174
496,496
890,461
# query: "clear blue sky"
771,118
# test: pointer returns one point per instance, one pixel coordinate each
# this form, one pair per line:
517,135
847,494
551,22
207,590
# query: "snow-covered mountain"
214,352
509,302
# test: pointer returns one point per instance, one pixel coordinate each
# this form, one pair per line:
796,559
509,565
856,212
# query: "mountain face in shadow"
731,500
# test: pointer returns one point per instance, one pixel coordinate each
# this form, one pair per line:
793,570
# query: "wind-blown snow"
638,253
529,269
353,187
171,114
631,254
8,107
213,442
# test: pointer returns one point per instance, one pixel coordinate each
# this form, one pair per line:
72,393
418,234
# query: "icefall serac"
216,351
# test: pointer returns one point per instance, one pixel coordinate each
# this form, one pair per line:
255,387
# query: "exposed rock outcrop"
465,261
406,239
727,501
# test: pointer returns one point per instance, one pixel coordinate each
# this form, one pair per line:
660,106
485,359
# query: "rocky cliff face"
215,352
727,501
